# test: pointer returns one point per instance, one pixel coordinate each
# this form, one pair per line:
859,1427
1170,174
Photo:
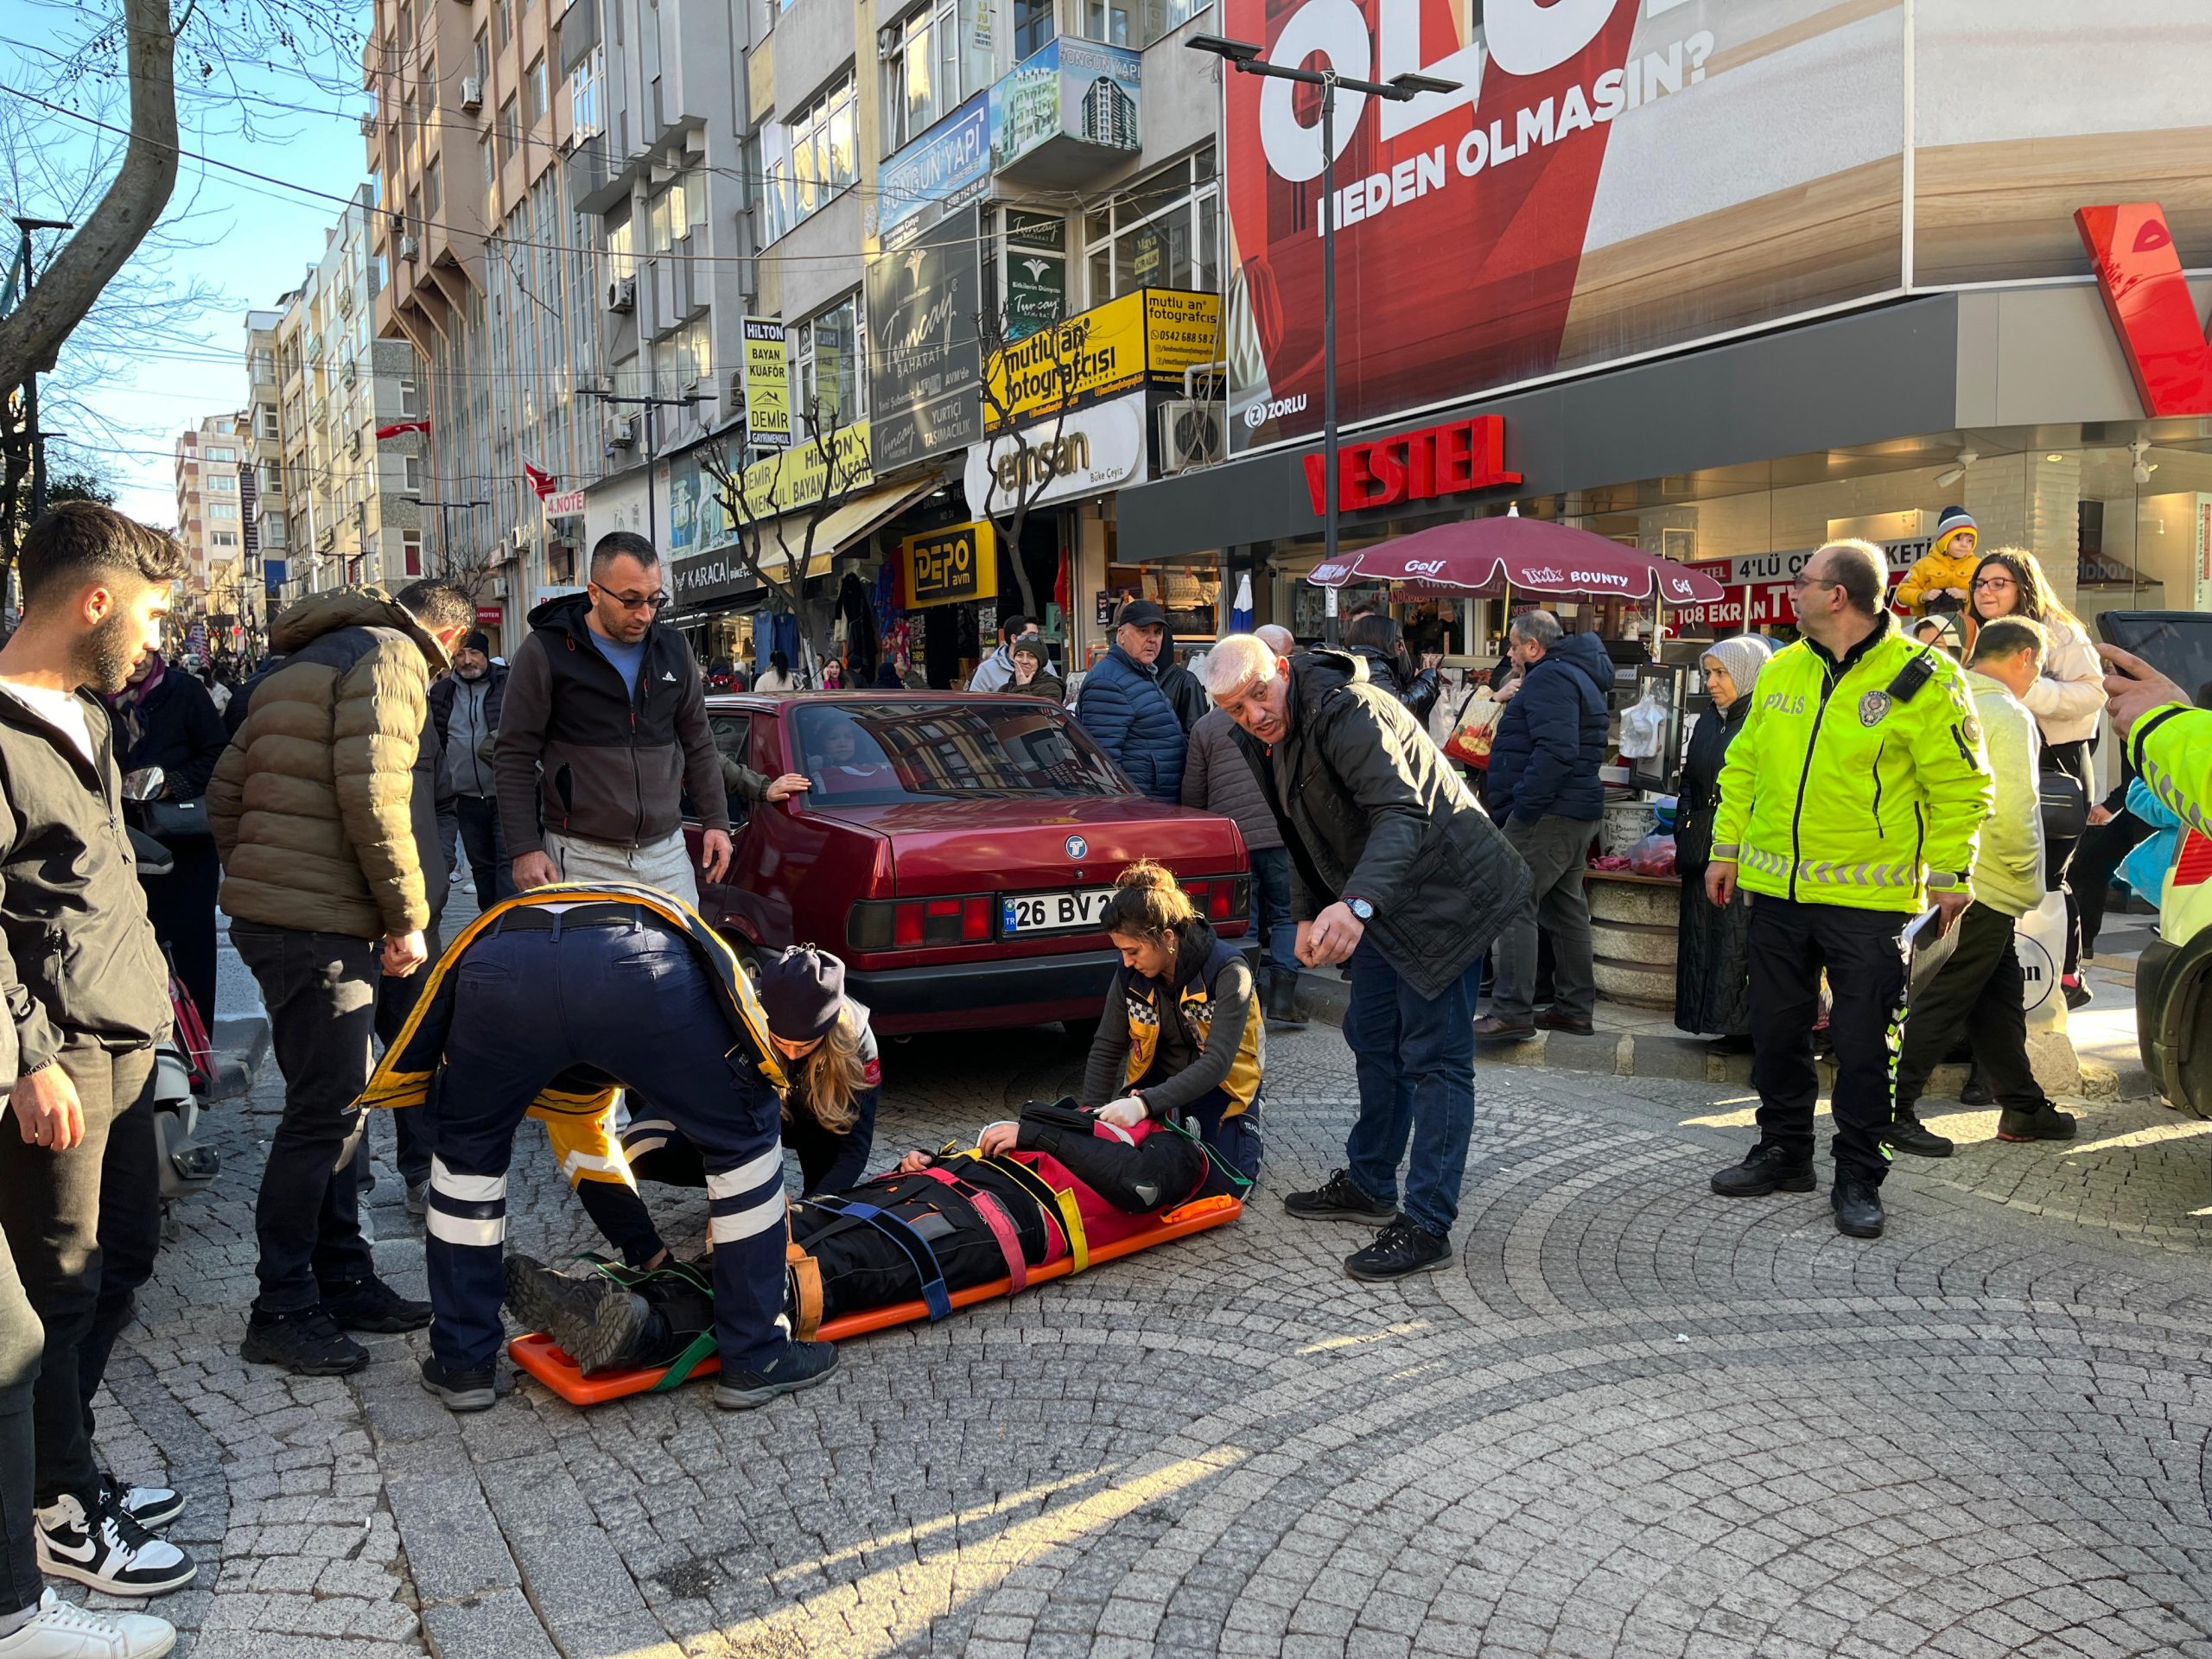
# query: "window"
622,250
491,167
220,453
1035,23
695,352
483,60
433,190
1160,233
410,474
821,147
1108,21
902,751
921,75
539,100
403,30
223,509
828,389
223,483
500,23
410,403
509,125
656,224
224,538
410,551
583,94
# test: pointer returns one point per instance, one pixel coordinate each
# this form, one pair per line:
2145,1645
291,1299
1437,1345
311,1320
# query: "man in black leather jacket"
1398,872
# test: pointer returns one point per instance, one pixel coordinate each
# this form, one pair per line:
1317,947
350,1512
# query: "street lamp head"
1222,47
1412,84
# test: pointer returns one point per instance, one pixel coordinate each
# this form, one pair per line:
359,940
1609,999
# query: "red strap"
995,1218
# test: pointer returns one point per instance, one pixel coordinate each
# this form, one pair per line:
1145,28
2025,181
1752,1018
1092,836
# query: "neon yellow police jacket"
1861,784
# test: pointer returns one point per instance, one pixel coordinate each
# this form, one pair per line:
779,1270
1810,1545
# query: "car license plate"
1077,912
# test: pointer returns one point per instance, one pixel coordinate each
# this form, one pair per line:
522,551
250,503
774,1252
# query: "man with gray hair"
1544,790
1396,871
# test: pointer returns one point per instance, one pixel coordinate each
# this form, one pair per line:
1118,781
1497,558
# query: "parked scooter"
184,1073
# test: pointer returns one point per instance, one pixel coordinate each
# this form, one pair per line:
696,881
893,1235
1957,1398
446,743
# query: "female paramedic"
830,1055
1181,1040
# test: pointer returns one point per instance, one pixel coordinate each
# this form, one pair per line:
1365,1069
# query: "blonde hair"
1147,903
829,1080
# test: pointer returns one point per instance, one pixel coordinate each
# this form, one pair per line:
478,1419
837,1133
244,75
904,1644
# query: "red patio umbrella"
1491,554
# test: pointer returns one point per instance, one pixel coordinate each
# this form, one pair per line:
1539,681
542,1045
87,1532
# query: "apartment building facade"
213,476
486,281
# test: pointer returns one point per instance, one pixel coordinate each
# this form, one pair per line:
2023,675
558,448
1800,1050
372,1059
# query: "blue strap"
903,1233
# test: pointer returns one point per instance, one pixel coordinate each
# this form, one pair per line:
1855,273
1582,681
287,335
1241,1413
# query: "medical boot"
599,1324
801,1365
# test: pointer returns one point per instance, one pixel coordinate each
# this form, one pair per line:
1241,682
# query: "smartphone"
2178,643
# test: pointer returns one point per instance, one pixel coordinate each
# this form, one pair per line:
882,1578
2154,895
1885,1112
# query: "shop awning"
841,526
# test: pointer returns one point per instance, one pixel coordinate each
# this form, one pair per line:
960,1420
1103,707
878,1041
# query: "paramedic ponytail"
1149,903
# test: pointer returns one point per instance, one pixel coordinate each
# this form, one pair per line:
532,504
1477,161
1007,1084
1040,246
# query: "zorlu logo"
1260,414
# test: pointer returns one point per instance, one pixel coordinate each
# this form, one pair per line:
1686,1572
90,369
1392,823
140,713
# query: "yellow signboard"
945,567
802,475
1147,337
767,386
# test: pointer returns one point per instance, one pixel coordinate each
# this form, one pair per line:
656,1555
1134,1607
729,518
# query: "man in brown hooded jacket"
310,806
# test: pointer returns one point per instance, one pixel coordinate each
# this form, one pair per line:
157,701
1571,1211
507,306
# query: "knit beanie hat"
802,992
1950,522
1743,655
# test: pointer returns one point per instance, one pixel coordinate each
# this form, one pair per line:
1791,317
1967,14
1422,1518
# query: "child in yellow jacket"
1938,579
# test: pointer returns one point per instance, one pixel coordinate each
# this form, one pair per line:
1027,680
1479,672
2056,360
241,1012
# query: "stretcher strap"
703,1346
935,1296
1059,1237
995,1218
806,1280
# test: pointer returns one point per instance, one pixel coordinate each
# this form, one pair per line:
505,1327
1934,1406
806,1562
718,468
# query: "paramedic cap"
802,992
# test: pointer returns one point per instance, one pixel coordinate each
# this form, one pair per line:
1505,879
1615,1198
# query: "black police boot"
2046,1123
1768,1168
1858,1205
1909,1135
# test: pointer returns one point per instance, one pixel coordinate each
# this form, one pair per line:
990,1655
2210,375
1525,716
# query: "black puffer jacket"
1370,811
1416,689
181,733
78,957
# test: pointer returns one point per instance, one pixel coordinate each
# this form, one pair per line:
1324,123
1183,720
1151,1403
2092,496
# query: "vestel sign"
1447,460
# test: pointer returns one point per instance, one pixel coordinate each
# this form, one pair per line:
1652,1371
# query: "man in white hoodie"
995,669
1976,993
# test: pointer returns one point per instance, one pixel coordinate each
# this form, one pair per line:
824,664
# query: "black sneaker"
597,1323
150,1506
1909,1135
475,1389
371,1306
1857,1205
2078,993
108,1550
1403,1247
307,1343
801,1365
1766,1168
2046,1123
1339,1199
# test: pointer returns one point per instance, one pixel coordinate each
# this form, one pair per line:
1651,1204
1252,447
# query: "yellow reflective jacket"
1861,784
2171,747
1143,1000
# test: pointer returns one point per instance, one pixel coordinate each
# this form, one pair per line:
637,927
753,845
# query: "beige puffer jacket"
311,802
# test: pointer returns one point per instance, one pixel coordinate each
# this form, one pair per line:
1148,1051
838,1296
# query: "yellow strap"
806,1276
1072,1218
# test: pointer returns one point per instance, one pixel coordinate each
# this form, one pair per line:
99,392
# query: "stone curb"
1631,1054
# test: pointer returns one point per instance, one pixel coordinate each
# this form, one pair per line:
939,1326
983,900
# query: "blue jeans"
1271,905
1416,1059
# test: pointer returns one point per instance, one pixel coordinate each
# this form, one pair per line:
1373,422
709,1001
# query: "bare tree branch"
1010,516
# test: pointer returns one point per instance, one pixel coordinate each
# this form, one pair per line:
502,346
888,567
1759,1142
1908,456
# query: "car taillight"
918,923
1220,898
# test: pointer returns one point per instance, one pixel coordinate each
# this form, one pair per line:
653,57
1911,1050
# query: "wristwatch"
1360,908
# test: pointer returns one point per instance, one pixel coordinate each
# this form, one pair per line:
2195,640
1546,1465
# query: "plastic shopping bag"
1475,725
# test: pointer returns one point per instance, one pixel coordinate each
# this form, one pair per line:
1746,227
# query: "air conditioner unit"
624,434
369,124
499,587
622,294
471,93
1191,433
519,536
409,247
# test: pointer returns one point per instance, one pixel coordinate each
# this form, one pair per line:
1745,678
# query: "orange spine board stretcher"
538,1355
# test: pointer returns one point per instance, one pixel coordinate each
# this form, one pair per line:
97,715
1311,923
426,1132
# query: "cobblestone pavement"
1630,1419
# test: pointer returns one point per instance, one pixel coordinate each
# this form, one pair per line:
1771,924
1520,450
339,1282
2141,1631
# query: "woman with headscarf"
1712,985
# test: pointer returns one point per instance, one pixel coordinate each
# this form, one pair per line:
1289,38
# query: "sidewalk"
1629,1041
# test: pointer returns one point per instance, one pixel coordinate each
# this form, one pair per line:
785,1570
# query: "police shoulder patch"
1872,707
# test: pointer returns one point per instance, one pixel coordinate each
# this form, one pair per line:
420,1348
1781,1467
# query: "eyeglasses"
1994,582
633,602
1806,579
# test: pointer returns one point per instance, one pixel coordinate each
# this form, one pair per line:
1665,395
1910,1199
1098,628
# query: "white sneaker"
108,1550
64,1630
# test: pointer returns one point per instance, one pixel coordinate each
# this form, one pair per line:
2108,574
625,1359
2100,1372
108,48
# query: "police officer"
547,997
1850,800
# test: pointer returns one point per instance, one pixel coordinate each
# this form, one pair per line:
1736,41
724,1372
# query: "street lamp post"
1243,56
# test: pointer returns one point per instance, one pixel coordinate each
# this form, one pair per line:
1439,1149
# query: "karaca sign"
2139,272
945,566
1447,460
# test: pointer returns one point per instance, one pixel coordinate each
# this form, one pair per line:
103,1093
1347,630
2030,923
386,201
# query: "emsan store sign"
1448,460
2139,270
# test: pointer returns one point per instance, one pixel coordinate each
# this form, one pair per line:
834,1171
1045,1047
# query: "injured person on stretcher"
1059,1183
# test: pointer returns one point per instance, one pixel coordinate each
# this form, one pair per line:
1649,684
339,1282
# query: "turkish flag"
400,429
543,483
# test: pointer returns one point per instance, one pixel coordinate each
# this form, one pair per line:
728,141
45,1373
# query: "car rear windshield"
861,754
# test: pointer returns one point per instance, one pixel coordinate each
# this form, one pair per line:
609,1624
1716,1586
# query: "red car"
955,850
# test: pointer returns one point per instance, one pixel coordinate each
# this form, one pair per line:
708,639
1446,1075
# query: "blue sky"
244,241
